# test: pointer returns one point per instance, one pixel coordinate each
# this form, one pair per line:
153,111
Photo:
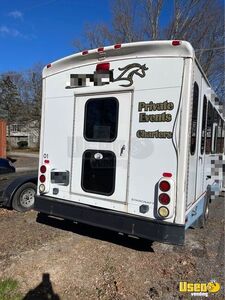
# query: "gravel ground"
76,261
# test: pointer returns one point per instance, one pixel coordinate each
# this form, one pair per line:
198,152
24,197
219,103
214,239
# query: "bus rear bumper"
150,229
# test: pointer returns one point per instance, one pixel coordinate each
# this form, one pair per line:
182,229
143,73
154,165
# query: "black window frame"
194,125
209,126
203,130
116,120
216,116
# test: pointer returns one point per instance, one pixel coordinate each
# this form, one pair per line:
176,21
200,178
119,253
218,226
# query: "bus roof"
173,48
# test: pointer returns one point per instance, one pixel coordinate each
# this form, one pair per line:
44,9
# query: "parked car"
17,190
6,166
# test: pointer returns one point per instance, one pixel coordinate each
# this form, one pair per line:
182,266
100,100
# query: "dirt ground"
76,261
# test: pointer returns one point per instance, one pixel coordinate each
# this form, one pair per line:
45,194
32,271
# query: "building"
28,133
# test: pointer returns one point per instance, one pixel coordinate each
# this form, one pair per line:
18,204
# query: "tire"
23,199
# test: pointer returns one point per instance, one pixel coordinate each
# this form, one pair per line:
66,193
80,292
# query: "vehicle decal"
99,78
139,70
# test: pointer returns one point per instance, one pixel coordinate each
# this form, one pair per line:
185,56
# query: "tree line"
198,21
201,22
20,97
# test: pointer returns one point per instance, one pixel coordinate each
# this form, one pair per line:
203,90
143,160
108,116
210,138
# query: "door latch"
122,149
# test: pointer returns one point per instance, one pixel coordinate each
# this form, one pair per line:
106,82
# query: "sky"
42,31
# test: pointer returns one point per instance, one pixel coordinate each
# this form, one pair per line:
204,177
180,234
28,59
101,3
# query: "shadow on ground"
97,233
43,291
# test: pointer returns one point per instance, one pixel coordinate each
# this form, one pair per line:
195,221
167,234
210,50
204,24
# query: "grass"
9,290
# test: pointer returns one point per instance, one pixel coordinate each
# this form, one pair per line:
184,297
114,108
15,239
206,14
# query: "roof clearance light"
167,174
176,43
103,67
49,66
101,49
117,46
85,52
164,186
164,199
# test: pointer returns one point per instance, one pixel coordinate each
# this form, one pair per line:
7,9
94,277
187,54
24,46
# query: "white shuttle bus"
129,135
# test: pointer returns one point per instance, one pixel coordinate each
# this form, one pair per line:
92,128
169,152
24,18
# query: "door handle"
122,149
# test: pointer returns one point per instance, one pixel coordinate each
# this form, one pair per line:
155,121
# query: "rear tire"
23,199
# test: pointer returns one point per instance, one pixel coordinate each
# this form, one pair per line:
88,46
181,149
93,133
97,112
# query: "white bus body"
123,143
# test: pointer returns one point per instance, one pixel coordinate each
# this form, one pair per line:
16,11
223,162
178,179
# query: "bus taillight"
164,186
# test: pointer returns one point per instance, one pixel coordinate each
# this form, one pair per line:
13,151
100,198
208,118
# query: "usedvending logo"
199,289
102,77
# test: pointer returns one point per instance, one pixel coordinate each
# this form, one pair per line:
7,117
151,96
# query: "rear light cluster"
101,49
42,178
165,189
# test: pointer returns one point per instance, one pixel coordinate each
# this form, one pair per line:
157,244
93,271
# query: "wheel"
23,199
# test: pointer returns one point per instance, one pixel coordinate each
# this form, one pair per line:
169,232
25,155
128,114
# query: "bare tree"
199,21
153,10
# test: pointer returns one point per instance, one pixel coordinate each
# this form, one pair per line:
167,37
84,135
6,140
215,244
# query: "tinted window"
219,136
98,172
194,118
216,131
209,128
101,119
222,139
203,124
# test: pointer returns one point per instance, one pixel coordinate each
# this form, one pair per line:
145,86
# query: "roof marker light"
85,52
101,49
49,66
176,43
117,46
167,174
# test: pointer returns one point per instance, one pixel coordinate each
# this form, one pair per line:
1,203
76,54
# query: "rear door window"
101,119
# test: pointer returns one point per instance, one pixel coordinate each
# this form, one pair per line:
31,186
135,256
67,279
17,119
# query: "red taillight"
85,52
176,43
101,49
103,67
46,161
43,169
164,199
49,66
167,175
42,178
117,46
164,186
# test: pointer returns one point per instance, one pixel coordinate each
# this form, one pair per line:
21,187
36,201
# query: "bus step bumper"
150,229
